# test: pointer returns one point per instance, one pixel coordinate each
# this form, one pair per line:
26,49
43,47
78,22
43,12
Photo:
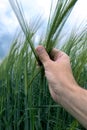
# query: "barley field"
25,101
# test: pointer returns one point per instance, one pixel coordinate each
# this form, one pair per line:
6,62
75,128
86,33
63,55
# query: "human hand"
62,85
58,72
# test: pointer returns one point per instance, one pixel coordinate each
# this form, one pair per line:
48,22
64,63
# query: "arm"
62,85
74,100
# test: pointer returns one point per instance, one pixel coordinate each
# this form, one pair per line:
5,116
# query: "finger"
43,55
56,54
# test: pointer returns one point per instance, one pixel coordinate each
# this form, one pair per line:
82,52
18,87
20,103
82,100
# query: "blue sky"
9,23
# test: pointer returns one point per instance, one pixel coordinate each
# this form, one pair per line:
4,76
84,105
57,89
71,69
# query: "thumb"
43,55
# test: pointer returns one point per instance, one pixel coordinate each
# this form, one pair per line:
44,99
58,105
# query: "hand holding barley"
58,71
62,85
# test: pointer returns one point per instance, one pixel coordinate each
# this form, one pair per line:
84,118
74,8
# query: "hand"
58,72
62,85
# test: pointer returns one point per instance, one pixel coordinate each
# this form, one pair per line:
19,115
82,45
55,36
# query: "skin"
62,85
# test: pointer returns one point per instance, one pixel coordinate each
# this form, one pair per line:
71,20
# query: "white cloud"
4,5
79,12
7,17
44,7
8,20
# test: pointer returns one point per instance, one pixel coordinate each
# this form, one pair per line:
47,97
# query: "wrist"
68,93
70,96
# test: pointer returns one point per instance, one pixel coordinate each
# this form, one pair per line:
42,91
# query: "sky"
32,8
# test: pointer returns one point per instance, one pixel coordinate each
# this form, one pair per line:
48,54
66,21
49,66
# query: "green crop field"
25,101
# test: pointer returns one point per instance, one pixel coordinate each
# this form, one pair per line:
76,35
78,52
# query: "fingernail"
40,49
